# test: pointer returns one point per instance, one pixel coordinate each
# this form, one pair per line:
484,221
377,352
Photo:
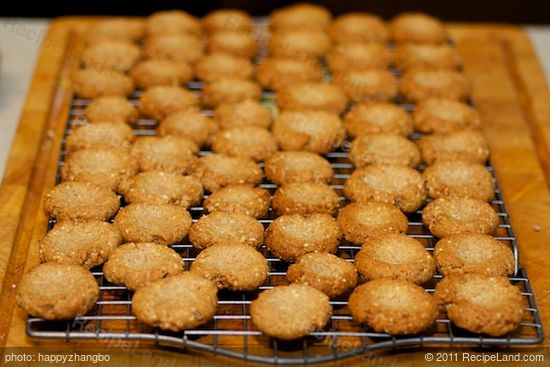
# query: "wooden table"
508,87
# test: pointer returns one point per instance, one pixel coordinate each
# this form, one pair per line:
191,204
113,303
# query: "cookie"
244,113
164,224
393,306
481,304
93,83
367,85
410,56
55,291
158,187
297,166
111,55
397,185
358,27
312,96
291,236
111,109
178,47
160,101
106,167
217,170
363,220
383,148
312,131
395,256
229,90
465,145
239,199
219,65
305,198
234,267
377,117
220,228
245,141
275,73
290,311
173,22
166,153
192,125
458,178
328,273
299,44
440,115
152,73
116,29
233,43
222,20
137,264
452,215
473,253
300,16
179,302
357,56
419,85
417,28
100,135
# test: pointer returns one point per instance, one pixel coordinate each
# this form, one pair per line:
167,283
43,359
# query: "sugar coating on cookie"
464,145
393,306
245,141
159,223
233,43
410,56
223,20
297,166
220,65
481,304
160,101
241,199
179,302
189,124
220,228
116,29
417,28
473,253
291,236
300,16
362,220
377,117
108,54
152,73
440,115
358,27
138,264
275,73
395,256
229,90
244,113
100,135
93,83
166,153
178,47
357,56
419,85
305,198
383,148
326,272
367,85
291,311
173,22
312,96
57,291
112,109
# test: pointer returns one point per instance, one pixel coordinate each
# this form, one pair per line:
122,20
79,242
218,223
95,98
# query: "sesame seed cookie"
116,29
313,131
159,223
173,22
401,186
219,65
297,166
239,199
275,73
158,187
229,90
377,117
232,20
220,228
111,55
465,145
393,306
245,141
300,16
410,56
395,256
160,101
92,83
357,56
138,264
299,45
452,215
290,311
106,167
383,148
189,124
115,109
358,27
179,302
305,198
367,85
419,85
291,236
417,28
87,244
100,135
458,178
244,113
440,115
362,220
473,253
481,304
328,273
57,291
174,47
217,170
152,73
234,267
312,96
166,153
238,44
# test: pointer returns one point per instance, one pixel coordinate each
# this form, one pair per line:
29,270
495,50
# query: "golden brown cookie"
178,47
473,253
189,124
481,304
395,256
300,16
100,135
152,73
245,141
357,56
291,236
312,131
164,224
106,167
458,178
158,187
419,85
297,166
393,306
290,311
179,302
410,56
383,148
276,72
232,20
417,28
92,83
299,45
305,198
217,170
173,22
116,29
166,153
465,145
363,220
439,115
377,117
160,101
111,55
112,109
220,228
229,90
57,291
312,96
219,65
239,199
233,43
328,273
452,215
244,113
358,27
234,267
367,85
398,185
138,264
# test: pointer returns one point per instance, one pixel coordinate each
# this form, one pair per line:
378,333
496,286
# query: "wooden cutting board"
508,87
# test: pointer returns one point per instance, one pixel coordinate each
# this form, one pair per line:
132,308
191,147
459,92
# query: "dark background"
510,11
